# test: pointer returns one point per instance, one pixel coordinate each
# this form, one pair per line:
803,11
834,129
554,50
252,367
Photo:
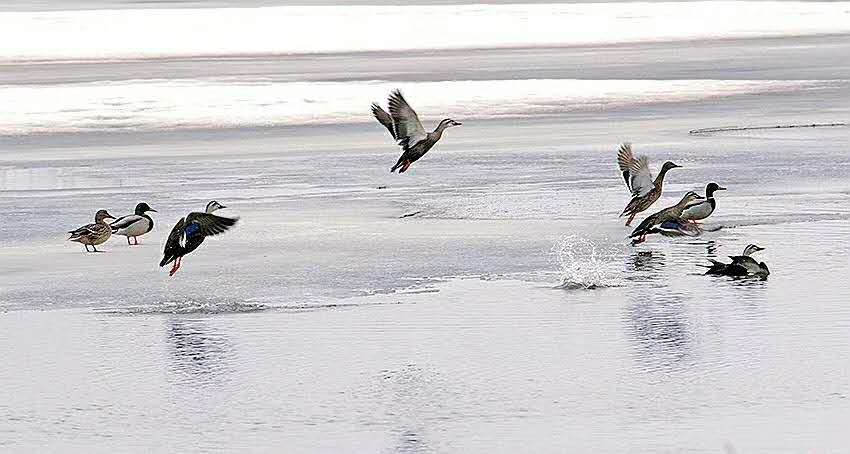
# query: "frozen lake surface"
508,314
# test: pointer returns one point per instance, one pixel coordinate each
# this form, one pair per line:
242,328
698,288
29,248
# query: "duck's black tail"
715,267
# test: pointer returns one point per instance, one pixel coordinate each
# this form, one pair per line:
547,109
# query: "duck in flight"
702,209
190,232
407,130
645,191
654,222
93,234
134,225
742,265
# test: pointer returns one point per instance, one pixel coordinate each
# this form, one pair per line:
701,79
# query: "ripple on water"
191,306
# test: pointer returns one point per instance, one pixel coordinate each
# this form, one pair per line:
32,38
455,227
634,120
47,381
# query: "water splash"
584,265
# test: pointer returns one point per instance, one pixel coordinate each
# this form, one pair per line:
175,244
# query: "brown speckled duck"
673,213
407,130
645,190
93,234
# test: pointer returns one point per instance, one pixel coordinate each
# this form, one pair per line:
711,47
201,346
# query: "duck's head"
143,208
448,123
711,188
669,165
751,249
102,215
689,197
213,206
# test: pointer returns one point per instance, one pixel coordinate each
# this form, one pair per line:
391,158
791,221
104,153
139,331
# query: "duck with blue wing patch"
189,233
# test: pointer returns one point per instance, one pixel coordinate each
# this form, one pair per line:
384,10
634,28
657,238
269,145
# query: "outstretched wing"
384,118
175,242
408,128
635,171
207,224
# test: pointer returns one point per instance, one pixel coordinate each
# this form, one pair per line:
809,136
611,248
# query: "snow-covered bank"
150,33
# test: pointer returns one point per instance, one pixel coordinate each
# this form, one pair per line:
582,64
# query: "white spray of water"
586,265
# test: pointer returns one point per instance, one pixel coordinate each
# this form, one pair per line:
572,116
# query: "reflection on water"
659,330
199,354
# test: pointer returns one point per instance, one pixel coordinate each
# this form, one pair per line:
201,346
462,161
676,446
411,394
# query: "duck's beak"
222,206
153,210
719,188
457,123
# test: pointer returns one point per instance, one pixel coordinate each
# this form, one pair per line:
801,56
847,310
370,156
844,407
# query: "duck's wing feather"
88,229
636,172
175,243
207,224
408,128
384,118
125,221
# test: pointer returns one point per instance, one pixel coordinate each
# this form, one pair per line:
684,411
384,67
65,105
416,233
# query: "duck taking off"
134,225
645,191
407,130
702,209
93,234
665,216
190,232
742,265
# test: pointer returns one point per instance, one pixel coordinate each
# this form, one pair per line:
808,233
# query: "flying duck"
134,225
667,215
407,130
93,234
645,191
189,233
742,265
702,209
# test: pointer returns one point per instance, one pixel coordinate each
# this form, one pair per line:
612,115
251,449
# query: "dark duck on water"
741,266
191,231
407,130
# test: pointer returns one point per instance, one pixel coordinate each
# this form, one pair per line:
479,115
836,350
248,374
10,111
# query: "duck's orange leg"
404,166
631,218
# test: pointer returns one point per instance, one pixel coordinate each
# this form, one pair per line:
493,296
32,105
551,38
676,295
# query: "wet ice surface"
509,314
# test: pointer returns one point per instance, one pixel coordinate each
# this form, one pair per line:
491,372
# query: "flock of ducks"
185,236
681,219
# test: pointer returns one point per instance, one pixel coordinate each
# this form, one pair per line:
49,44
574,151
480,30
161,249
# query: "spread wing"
384,118
635,171
125,221
408,128
177,236
207,224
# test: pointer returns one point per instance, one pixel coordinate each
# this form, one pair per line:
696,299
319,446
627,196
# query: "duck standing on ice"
645,190
190,232
407,130
742,265
93,234
134,225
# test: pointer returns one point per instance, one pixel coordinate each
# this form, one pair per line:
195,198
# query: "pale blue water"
325,323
